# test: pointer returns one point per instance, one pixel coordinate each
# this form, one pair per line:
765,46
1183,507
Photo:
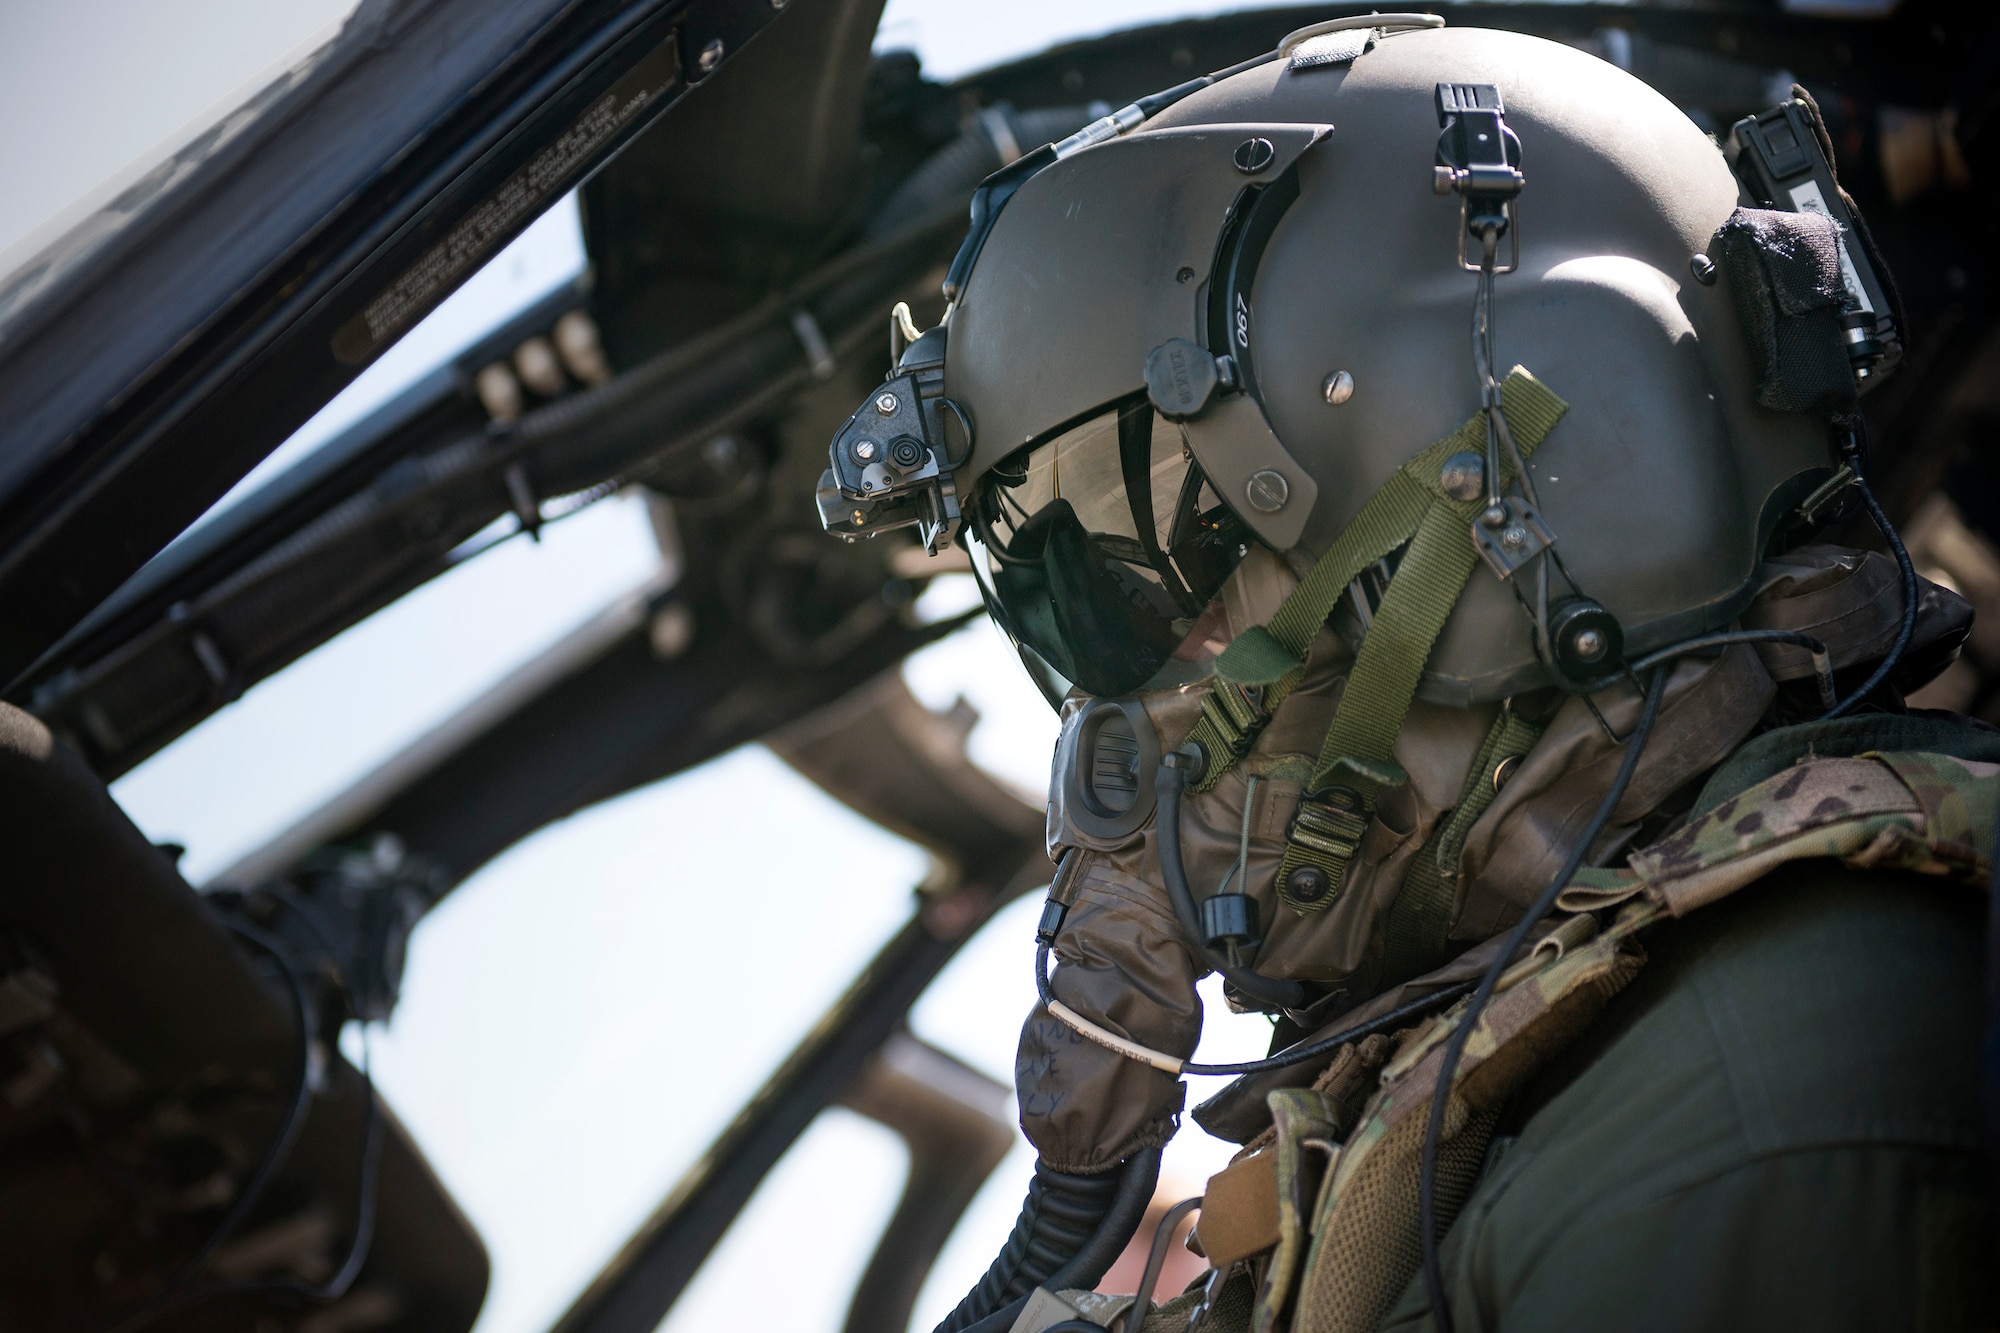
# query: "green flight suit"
1775,1126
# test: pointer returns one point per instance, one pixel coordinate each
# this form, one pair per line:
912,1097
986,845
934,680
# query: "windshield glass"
127,96
571,1035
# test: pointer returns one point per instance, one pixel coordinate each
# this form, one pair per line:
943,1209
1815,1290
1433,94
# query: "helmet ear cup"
1106,764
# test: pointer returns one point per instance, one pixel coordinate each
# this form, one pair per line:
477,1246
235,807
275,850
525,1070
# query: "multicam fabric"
1365,1241
1928,813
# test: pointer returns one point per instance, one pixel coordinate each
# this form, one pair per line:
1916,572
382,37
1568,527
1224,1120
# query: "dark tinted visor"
1100,547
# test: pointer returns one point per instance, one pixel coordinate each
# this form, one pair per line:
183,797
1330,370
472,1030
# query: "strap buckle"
1238,715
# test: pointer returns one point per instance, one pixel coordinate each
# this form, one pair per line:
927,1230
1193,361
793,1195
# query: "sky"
564,1049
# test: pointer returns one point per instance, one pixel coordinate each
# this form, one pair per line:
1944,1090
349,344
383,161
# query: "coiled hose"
1071,1230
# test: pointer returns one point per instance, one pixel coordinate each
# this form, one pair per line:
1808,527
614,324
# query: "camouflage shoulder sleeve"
1908,810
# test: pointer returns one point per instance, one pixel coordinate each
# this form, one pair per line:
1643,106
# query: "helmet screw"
1589,645
1253,155
1267,491
1514,537
1463,477
865,450
887,403
710,57
1339,387
1703,268
1307,884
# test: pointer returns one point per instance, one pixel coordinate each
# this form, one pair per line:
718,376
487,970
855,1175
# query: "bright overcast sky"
564,1048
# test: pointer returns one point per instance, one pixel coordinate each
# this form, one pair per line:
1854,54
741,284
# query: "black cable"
1909,572
1455,1045
280,1147
1296,1055
1388,1022
180,1297
1822,661
333,1288
1265,990
1156,1259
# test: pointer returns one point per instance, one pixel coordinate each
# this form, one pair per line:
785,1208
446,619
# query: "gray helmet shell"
1663,481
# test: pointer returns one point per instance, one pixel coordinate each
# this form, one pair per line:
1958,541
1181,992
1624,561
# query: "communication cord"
1657,663
1635,745
295,1118
1853,445
180,1297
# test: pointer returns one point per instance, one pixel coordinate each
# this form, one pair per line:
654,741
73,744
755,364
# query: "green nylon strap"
1421,917
1357,757
1271,657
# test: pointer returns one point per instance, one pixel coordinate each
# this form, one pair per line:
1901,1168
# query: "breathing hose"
1070,1231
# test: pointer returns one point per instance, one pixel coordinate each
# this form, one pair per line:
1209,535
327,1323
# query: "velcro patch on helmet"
1784,270
1332,48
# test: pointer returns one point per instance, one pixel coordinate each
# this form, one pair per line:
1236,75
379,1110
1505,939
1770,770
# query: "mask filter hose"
1071,1230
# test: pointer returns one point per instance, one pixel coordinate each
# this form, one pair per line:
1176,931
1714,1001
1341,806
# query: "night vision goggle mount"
1479,159
892,462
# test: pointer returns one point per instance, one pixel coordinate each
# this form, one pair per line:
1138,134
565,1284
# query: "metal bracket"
1519,537
1479,158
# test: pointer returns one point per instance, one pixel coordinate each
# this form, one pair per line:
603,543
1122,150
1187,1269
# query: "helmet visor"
1103,545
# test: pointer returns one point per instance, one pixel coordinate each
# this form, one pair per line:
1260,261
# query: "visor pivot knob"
1253,155
1703,269
1267,491
887,403
1463,477
1339,387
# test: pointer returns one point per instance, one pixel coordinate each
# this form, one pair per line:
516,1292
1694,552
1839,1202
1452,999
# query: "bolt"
887,403
1253,155
865,450
710,57
1703,268
1463,477
1514,537
1184,276
1267,491
1338,388
1589,645
1307,884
